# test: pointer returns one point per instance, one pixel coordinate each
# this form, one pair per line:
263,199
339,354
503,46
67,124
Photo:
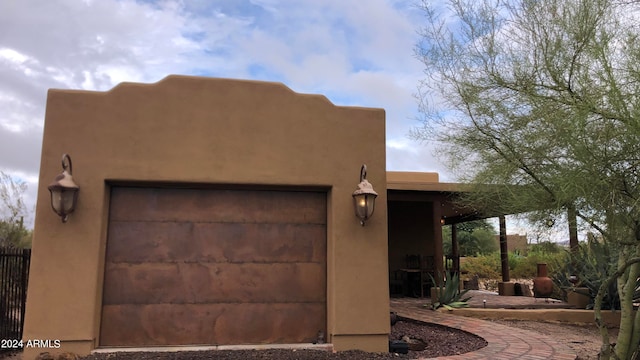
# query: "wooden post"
437,236
455,249
573,228
504,252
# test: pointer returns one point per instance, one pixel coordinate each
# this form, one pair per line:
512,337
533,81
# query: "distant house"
515,242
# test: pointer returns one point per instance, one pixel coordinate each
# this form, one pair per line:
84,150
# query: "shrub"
449,295
527,266
546,247
485,266
488,268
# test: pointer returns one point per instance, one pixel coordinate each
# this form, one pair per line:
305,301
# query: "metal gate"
14,274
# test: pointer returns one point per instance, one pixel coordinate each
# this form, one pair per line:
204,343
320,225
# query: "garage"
188,266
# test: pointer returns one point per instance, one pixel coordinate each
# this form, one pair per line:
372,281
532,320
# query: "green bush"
546,247
485,266
520,267
527,266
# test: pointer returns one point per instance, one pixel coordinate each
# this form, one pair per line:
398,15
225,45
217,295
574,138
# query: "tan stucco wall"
412,179
206,131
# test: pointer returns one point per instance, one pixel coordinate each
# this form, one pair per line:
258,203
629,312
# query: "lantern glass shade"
63,200
364,205
364,198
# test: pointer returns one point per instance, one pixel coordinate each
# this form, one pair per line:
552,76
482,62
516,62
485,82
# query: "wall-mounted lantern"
64,192
364,198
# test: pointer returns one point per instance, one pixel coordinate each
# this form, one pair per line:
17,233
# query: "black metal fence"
14,274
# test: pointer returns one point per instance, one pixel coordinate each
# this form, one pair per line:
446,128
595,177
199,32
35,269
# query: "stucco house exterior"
220,212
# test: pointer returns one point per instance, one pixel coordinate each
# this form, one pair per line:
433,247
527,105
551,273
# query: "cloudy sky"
355,52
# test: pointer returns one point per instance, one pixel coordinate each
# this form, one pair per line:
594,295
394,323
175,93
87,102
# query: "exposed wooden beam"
504,250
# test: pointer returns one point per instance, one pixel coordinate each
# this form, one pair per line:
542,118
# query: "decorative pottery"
579,297
542,284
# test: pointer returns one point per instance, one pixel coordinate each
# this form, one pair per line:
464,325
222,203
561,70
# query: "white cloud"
354,52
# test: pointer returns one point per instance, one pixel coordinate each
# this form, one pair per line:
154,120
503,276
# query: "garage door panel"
141,204
261,242
219,324
187,266
216,242
151,241
180,283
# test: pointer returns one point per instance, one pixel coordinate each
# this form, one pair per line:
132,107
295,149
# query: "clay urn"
542,284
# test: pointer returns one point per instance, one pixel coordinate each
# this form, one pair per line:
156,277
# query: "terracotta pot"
579,297
542,284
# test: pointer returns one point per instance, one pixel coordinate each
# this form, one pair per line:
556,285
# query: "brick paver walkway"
505,343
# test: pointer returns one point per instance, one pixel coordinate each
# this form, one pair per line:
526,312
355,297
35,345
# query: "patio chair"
413,261
412,275
421,269
397,283
428,272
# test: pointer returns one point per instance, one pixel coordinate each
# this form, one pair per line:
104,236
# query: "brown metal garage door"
194,266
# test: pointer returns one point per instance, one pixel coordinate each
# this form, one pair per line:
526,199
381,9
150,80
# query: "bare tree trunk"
605,350
626,287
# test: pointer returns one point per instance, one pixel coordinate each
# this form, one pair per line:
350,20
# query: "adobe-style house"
210,212
220,212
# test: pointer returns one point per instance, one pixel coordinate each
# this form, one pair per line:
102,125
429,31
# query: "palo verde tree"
13,233
538,101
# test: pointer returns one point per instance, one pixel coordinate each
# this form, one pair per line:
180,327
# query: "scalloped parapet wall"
183,80
191,131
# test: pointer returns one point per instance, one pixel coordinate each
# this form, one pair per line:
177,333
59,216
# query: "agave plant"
449,295
591,263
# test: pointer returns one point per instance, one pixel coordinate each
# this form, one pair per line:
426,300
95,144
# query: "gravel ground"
438,341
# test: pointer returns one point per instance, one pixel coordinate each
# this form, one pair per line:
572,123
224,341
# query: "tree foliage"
13,233
538,105
474,238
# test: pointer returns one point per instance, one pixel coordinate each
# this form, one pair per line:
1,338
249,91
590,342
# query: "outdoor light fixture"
364,198
64,192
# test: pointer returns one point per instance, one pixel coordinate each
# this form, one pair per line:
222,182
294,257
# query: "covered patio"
418,206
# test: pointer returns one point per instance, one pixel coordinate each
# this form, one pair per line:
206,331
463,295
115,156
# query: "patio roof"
425,186
421,181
